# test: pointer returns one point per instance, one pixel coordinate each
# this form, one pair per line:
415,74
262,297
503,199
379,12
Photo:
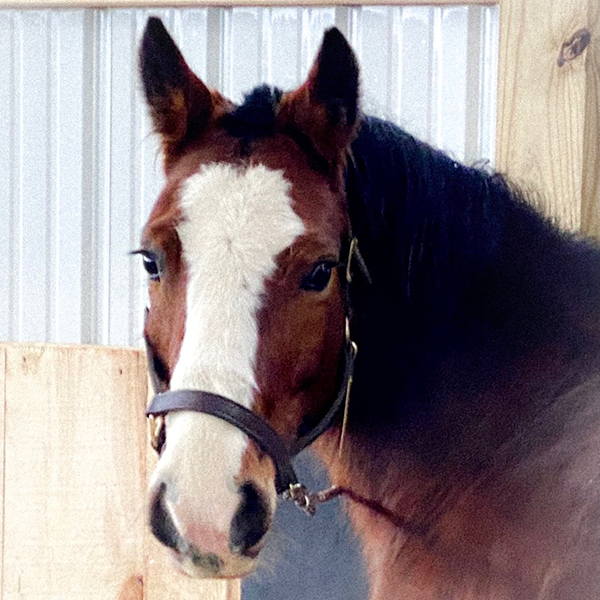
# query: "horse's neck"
458,313
474,407
451,248
501,478
524,523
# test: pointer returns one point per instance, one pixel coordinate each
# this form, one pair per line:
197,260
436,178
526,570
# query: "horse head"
246,252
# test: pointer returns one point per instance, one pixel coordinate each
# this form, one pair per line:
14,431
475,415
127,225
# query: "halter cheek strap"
267,439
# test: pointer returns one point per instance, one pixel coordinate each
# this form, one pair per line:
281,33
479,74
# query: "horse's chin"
213,567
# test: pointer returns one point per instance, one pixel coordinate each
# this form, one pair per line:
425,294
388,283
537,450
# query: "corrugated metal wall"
79,169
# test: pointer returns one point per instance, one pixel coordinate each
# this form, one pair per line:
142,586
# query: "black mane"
256,117
464,271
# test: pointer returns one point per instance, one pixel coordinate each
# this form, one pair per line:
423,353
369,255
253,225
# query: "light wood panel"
199,3
74,480
590,209
2,409
545,135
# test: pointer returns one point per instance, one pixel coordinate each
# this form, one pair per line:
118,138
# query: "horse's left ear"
325,107
180,104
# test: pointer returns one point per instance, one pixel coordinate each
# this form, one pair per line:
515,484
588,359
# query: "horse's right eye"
151,267
318,279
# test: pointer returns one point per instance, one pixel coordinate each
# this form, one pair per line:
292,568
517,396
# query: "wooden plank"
2,412
542,114
590,210
199,3
74,477
161,578
75,507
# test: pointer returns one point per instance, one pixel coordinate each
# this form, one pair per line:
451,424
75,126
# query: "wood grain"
541,124
2,411
74,487
75,478
590,209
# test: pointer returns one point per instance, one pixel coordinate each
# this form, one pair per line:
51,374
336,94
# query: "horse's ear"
180,104
325,107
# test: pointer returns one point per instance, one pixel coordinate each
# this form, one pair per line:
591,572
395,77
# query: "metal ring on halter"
156,424
301,497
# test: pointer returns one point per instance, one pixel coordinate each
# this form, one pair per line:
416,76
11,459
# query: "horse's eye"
318,279
151,267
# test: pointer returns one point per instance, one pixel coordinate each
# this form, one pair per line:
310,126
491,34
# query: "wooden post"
74,480
2,437
548,137
590,209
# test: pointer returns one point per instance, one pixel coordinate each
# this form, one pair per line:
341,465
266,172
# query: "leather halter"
267,439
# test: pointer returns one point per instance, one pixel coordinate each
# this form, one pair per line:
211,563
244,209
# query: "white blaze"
235,223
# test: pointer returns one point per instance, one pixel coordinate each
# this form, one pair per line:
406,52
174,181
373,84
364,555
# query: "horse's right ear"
180,104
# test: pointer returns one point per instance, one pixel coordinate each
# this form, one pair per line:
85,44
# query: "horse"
320,277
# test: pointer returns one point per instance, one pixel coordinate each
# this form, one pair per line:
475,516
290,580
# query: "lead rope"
308,502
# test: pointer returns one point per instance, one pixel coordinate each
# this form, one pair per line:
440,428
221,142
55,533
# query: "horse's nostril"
161,522
250,522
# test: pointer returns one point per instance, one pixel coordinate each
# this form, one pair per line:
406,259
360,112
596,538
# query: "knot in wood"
574,46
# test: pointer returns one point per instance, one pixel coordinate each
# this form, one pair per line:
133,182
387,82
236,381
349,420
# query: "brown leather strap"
329,417
267,439
235,414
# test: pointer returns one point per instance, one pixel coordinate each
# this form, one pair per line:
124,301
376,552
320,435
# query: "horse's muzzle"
213,554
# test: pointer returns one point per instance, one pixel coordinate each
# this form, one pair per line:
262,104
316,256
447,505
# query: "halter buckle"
301,497
156,425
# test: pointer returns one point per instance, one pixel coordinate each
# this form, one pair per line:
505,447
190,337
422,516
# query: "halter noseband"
267,439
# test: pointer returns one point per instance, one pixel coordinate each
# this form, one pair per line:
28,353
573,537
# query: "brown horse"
471,444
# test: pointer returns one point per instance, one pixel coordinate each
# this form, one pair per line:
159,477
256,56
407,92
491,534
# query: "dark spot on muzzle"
250,522
209,562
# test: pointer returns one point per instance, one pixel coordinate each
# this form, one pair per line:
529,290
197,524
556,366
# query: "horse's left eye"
318,279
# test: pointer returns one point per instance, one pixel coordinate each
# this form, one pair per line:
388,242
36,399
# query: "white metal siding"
79,169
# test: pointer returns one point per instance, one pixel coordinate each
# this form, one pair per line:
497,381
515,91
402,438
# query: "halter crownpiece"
267,439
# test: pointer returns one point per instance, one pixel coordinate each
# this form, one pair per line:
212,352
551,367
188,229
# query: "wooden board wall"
75,460
548,126
2,413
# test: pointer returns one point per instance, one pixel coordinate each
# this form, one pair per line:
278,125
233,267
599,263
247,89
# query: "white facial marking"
236,222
